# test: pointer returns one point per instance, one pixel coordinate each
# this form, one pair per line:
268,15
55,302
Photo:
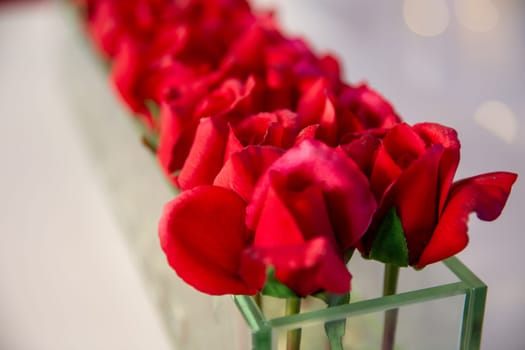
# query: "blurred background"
67,277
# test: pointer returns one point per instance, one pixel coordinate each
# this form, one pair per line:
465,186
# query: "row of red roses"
281,163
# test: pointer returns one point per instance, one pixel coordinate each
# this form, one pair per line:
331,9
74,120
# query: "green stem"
335,330
390,324
293,337
258,300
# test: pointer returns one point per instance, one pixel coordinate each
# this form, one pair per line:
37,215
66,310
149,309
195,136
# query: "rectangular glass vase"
446,315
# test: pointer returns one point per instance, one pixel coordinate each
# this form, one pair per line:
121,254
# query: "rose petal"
361,150
305,267
230,95
277,225
372,109
484,194
245,52
203,235
433,133
278,128
244,168
176,136
384,172
312,104
403,145
126,67
252,130
348,198
308,133
415,194
328,124
206,156
293,216
309,210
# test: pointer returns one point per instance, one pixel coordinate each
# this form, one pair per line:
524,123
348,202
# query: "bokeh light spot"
426,18
499,119
477,15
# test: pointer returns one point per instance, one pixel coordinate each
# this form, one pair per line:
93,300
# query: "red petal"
308,133
246,52
416,200
312,103
125,72
293,216
206,156
484,194
179,124
251,130
362,151
346,190
328,127
176,136
233,145
305,267
244,168
203,235
432,134
277,225
384,172
309,210
372,109
230,95
403,145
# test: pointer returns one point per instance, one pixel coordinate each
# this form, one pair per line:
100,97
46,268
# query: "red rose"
287,66
262,71
180,116
181,45
341,111
203,229
370,108
216,140
411,170
311,205
308,207
110,21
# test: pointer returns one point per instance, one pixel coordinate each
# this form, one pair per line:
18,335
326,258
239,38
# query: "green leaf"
390,245
275,288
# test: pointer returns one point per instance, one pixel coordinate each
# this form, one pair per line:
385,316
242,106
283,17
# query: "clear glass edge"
469,284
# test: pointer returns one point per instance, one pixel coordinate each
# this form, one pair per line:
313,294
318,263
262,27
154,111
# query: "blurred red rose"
370,108
262,71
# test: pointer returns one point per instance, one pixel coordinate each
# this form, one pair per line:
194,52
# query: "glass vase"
446,315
